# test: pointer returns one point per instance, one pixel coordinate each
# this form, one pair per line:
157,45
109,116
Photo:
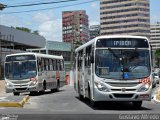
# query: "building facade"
130,17
75,26
155,36
94,31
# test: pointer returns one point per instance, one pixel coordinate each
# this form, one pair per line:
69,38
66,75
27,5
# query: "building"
56,48
94,31
155,36
15,41
75,26
130,17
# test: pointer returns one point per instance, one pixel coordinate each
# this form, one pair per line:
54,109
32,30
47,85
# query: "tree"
35,32
157,56
24,29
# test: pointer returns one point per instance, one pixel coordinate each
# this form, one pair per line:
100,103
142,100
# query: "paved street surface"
65,104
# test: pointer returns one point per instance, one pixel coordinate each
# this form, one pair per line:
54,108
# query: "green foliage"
157,53
24,29
36,32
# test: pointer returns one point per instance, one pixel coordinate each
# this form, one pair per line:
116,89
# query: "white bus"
33,72
114,68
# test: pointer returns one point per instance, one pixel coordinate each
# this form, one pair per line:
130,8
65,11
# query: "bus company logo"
123,89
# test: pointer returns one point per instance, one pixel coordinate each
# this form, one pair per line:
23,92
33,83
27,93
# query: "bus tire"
137,104
58,86
92,103
33,92
44,88
16,93
79,93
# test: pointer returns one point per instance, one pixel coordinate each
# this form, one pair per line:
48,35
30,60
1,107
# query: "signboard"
123,42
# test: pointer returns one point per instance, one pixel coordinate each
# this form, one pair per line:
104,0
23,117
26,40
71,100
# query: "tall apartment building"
155,36
130,17
75,26
94,31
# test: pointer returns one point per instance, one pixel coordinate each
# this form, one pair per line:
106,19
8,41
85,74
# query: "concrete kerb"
15,104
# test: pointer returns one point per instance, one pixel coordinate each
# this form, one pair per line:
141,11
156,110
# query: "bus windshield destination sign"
20,58
122,42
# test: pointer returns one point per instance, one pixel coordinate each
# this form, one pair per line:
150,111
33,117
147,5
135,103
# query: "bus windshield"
19,70
122,63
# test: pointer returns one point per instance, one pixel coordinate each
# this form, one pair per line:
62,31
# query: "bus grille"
117,84
125,89
21,88
20,82
123,95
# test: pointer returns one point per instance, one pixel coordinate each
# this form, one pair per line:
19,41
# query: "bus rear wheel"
16,93
58,86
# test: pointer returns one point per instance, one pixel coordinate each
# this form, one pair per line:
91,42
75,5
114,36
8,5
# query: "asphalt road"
66,105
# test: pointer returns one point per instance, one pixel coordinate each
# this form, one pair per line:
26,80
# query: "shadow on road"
44,93
121,106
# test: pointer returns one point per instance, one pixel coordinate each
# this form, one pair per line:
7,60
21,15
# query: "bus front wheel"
16,93
79,93
92,103
137,104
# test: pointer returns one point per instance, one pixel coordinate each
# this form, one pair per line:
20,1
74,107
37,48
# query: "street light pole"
2,6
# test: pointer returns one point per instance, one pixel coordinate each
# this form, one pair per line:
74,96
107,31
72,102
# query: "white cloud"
94,4
43,17
94,23
48,25
51,30
10,20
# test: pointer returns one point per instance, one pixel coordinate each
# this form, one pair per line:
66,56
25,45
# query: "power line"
48,8
34,4
17,3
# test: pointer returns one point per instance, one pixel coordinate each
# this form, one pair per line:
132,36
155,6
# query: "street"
66,102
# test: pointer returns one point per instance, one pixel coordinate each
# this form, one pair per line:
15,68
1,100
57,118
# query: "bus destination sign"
123,42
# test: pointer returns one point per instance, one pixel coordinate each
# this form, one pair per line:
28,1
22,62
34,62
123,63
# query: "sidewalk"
2,86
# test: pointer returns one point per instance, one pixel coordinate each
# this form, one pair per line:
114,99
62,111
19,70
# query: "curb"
15,104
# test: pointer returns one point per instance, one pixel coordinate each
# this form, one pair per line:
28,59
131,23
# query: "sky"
49,22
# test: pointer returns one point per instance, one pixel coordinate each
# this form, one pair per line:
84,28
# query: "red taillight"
145,80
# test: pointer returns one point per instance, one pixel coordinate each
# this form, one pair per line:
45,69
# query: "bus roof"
37,55
93,41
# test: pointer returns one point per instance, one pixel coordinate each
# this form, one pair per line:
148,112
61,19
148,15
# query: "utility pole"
2,6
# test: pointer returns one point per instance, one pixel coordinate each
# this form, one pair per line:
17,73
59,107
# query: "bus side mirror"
92,59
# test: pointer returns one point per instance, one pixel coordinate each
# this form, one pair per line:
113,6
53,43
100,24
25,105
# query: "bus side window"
56,64
50,64
39,65
89,55
61,65
43,66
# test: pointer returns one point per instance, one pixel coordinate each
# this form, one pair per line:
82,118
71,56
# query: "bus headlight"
145,87
34,81
146,84
101,87
8,84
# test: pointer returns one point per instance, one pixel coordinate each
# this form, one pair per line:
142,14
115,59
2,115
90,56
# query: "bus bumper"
22,89
121,96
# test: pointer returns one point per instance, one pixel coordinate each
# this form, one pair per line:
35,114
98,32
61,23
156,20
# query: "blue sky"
48,22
